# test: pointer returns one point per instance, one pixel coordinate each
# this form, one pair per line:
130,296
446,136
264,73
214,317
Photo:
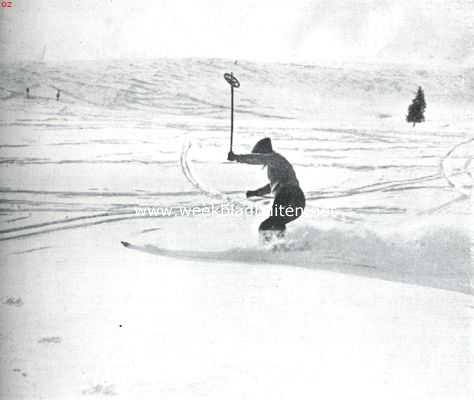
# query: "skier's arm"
260,192
255,158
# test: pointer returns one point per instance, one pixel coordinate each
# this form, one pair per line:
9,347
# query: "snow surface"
372,300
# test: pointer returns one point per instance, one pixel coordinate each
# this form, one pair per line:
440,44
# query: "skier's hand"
250,193
231,156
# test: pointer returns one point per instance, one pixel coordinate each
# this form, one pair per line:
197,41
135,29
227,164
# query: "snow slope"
99,319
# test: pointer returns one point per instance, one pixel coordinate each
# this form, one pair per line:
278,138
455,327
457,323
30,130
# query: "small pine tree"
416,109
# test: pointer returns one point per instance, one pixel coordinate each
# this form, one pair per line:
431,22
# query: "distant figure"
57,95
27,92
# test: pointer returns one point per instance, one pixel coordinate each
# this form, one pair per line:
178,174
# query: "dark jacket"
279,170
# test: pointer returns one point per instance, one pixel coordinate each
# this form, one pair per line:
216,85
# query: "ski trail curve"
205,189
459,167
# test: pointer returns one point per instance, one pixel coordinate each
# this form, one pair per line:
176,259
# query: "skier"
58,93
27,92
289,200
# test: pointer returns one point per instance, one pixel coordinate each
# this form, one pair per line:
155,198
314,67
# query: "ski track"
69,223
109,217
376,187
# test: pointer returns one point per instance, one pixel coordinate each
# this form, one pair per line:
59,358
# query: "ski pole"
234,83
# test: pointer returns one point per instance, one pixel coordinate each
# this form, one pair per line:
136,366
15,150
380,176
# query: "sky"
433,31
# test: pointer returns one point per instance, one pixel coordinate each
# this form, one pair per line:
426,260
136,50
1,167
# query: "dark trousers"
288,205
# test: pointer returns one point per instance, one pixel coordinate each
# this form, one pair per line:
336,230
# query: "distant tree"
416,109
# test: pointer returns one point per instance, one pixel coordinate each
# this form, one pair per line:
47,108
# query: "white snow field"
370,298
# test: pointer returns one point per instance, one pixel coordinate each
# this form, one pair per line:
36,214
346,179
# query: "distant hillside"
196,86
